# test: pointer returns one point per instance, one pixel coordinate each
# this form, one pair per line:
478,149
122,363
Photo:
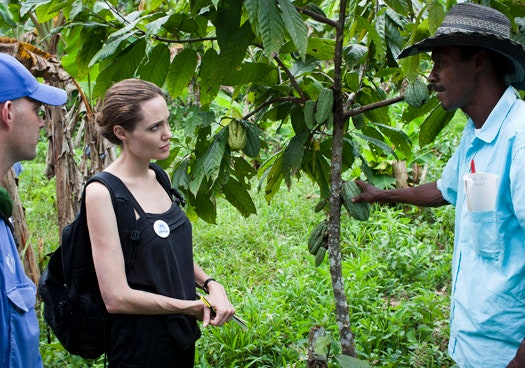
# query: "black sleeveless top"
161,260
158,256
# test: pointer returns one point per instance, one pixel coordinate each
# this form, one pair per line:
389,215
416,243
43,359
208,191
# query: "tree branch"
269,102
189,40
372,106
316,16
292,78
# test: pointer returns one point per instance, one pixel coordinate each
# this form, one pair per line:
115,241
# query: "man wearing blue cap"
477,68
21,98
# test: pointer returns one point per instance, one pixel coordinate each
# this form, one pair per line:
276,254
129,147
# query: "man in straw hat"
476,68
21,97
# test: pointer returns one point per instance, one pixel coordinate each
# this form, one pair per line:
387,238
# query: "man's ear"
6,114
481,58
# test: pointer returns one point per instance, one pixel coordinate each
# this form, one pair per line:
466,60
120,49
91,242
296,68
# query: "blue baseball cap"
17,82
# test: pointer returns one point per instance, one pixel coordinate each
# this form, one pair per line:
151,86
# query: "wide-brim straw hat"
477,25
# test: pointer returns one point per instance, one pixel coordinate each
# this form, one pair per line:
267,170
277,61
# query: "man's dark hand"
370,193
519,358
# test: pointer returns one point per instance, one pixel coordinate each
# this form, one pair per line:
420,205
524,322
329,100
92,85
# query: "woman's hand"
223,310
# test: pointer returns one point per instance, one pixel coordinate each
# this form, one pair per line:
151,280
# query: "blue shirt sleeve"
19,330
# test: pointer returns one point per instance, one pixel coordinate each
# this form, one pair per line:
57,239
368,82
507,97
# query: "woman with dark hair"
152,301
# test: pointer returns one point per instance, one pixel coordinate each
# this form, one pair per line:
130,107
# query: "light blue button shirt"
487,319
19,331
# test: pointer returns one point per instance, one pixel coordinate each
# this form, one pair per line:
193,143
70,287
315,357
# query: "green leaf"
92,38
373,37
378,143
152,4
410,67
213,157
350,152
197,176
205,206
156,65
411,112
116,38
321,48
295,26
227,21
180,177
350,362
253,143
369,96
354,54
251,7
154,27
433,124
243,170
274,177
210,80
181,71
436,15
247,73
110,49
239,197
322,175
271,26
170,159
293,156
6,18
400,6
317,167
399,138
122,66
46,12
233,53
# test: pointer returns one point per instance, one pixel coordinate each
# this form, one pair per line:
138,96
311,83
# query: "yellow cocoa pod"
237,135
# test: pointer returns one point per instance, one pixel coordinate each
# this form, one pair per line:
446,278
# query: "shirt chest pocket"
23,297
486,241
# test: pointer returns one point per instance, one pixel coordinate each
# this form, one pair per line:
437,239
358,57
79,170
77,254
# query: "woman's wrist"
205,285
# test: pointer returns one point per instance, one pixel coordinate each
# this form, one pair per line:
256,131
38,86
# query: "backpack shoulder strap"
117,189
164,180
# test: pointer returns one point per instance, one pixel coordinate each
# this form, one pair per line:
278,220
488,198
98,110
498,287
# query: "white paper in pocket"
481,190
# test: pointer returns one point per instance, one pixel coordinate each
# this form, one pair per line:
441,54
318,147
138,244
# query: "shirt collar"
495,120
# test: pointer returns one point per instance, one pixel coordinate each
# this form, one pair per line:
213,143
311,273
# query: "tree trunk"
399,169
346,336
21,233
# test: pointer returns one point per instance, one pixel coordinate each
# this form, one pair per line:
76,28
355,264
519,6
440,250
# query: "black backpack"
73,306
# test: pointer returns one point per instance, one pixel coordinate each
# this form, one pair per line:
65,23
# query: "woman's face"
151,137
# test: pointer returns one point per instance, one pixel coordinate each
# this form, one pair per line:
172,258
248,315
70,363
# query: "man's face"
453,78
27,123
